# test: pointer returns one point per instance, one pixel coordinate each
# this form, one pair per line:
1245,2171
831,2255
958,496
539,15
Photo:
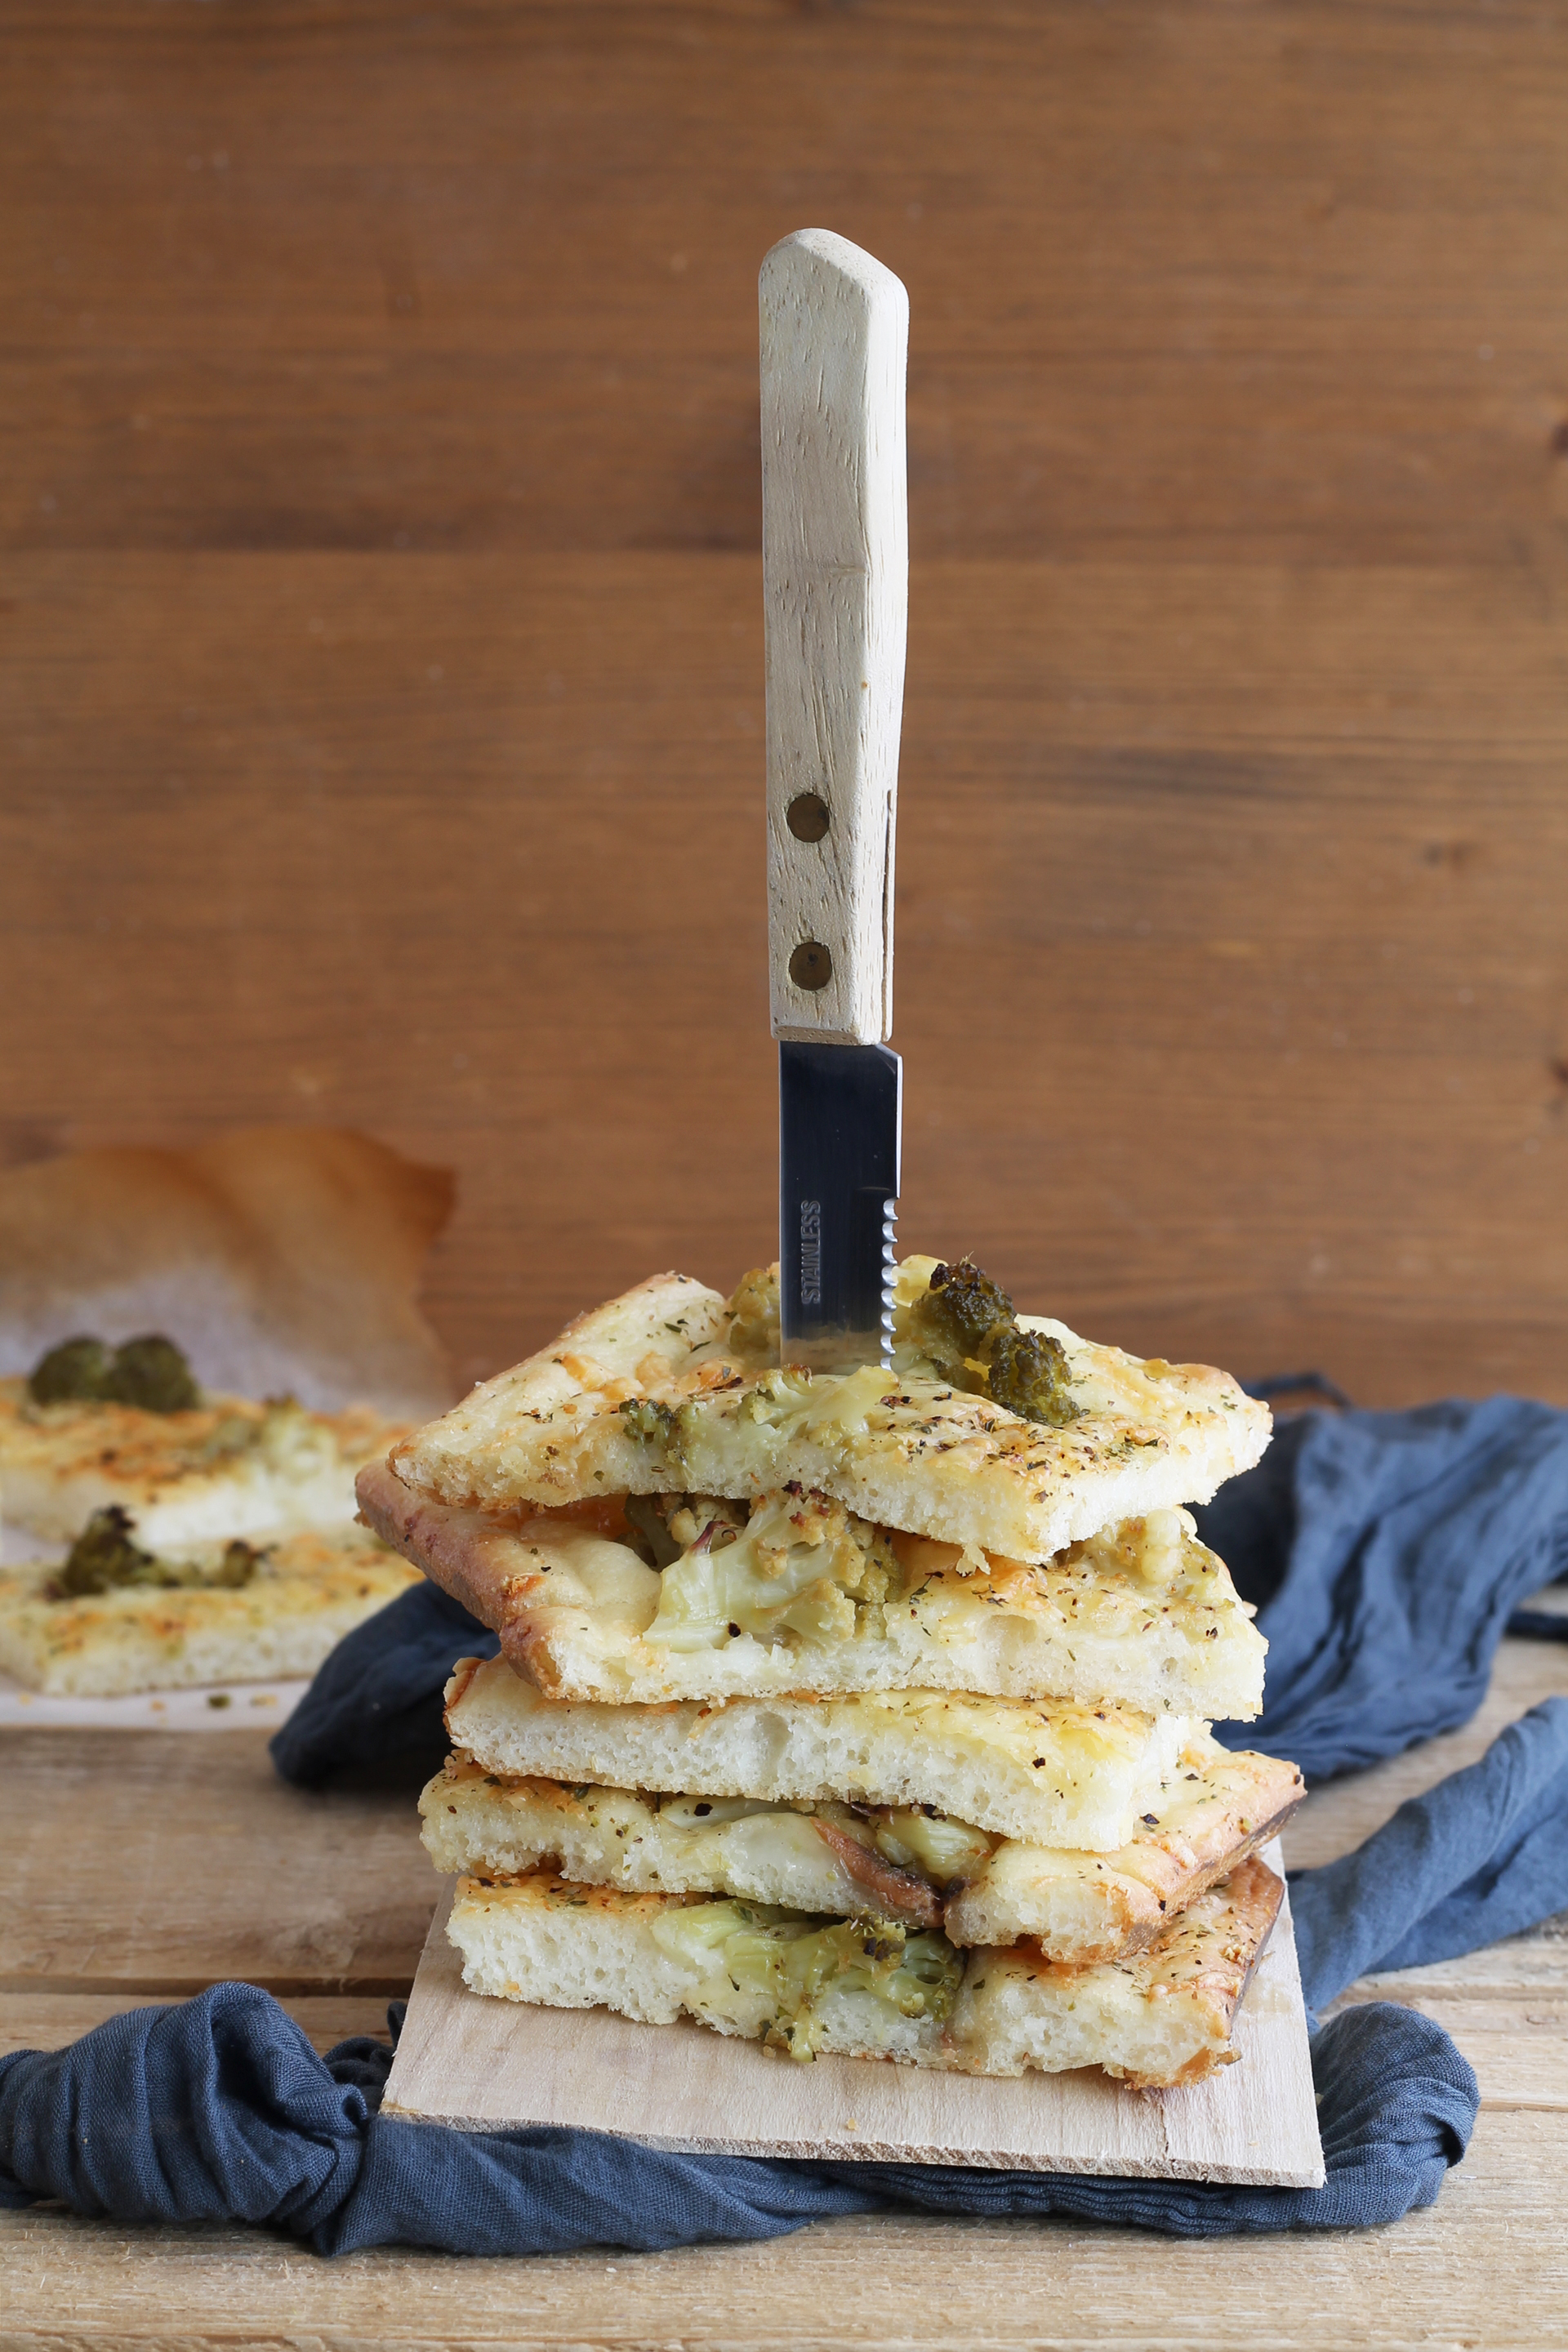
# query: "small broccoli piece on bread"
965,1327
1028,1375
958,1318
149,1372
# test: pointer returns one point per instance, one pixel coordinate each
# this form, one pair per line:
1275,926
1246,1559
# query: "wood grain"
381,690
1485,2265
381,658
152,1863
50,2020
835,595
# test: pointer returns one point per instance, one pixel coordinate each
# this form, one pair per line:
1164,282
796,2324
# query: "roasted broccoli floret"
1028,1376
150,1372
106,1558
239,1563
967,1327
959,1316
77,1370
656,1424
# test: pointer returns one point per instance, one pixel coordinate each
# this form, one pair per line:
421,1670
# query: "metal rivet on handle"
811,966
807,816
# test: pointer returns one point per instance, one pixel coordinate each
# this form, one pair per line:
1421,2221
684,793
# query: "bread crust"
1162,2021
1184,1990
226,1467
1217,1811
1078,1908
1057,1774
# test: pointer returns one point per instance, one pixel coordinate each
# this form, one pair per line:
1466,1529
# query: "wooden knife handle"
834,345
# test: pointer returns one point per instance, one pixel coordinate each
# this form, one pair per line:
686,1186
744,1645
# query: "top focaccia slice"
672,1388
224,1467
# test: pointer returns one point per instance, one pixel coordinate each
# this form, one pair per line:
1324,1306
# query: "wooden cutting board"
482,2065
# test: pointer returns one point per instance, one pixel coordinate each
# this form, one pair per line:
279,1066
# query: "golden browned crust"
462,1552
1207,1957
1216,1811
306,1591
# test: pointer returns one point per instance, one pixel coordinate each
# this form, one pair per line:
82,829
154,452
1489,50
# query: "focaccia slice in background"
226,1467
307,1589
881,1862
1054,1775
669,1388
809,1986
804,1597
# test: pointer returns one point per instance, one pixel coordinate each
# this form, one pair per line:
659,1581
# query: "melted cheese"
803,1595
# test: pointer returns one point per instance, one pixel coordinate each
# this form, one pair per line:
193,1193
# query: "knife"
834,343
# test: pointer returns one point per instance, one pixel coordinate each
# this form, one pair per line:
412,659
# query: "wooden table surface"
146,1864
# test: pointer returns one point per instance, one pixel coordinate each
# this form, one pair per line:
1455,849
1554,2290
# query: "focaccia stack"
862,1713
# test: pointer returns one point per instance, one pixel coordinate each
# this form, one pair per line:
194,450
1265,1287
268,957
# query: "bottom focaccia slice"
1053,1773
864,1989
299,1595
882,1861
1160,2020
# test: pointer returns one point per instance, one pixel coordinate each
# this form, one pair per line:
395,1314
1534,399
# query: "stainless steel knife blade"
834,344
839,1121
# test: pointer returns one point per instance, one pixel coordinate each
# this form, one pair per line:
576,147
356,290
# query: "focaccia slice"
226,1467
802,1596
1214,1811
873,1861
1055,1775
1162,2019
672,1388
808,1985
305,1592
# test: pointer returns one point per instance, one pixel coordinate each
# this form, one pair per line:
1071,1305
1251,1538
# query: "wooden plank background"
380,648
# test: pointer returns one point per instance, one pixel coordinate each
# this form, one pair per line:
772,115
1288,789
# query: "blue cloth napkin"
1387,1551
377,1700
219,2109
